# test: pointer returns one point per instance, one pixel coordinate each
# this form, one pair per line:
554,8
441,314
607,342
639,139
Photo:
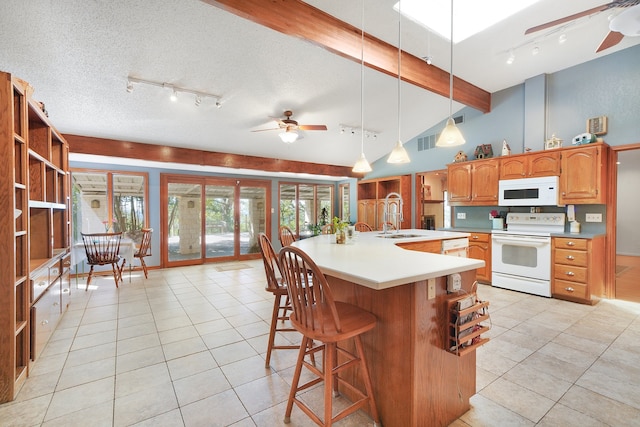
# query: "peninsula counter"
416,381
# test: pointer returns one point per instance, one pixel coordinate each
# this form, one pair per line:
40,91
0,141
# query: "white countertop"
378,263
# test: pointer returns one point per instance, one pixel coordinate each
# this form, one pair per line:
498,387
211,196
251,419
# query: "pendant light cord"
451,67
399,60
362,81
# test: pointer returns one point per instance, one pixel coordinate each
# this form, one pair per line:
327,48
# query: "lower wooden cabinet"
578,269
480,248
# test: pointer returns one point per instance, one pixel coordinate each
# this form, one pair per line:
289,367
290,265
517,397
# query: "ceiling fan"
625,24
290,127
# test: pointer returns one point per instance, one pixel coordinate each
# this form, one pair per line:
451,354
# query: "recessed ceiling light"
471,16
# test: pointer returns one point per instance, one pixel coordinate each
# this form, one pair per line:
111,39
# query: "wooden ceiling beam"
299,19
161,153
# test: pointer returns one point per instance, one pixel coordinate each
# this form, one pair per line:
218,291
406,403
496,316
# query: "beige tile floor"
186,347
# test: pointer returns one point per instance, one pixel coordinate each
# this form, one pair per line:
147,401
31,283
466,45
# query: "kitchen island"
416,381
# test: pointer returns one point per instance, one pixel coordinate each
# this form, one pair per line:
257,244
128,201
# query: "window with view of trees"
345,201
304,207
109,202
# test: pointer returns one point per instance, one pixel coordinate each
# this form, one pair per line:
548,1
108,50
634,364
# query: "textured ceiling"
78,53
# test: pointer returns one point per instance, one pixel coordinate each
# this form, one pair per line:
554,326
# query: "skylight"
470,16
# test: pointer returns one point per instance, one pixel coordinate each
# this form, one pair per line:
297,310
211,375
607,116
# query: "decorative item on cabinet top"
483,151
506,150
460,156
553,142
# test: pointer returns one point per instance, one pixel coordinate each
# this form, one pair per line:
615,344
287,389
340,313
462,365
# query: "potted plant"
340,228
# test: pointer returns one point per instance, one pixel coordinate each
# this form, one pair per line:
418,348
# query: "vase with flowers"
497,222
340,228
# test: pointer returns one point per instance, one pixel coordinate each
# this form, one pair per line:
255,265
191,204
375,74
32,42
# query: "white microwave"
541,191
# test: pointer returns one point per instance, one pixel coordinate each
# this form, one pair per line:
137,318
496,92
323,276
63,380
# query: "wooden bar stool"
286,236
278,288
362,226
325,322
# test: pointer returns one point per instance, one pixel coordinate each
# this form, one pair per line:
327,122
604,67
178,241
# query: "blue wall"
524,115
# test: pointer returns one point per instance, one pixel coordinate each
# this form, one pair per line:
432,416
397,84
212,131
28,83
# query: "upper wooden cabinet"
473,183
546,163
583,175
371,195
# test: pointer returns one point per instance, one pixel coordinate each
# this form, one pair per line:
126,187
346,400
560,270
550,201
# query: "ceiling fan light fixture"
289,136
628,22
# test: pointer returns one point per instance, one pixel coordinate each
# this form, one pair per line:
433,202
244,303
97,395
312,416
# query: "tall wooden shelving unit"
34,225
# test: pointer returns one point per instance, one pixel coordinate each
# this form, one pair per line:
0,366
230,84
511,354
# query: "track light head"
129,86
218,104
198,100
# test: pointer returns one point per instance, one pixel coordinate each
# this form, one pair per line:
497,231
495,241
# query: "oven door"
524,256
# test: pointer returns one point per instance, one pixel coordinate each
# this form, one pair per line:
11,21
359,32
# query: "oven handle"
523,241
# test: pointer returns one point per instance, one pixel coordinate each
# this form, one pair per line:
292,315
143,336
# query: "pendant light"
399,154
451,135
362,165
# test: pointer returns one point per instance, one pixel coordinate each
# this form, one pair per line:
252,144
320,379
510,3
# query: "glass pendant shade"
362,165
289,136
450,136
399,154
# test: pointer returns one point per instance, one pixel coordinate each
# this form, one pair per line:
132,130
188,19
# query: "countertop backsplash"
477,217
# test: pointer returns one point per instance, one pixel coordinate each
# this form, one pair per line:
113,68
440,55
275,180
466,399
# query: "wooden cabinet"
546,163
34,192
473,183
480,248
583,175
371,198
431,246
578,270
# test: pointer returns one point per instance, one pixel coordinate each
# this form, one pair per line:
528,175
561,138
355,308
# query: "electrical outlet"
431,289
593,217
461,215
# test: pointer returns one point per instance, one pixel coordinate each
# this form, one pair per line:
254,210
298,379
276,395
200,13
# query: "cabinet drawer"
564,242
39,284
479,237
570,289
45,315
570,272
570,257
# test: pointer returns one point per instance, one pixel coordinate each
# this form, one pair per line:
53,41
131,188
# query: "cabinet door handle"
571,243
570,273
564,194
570,257
475,237
569,289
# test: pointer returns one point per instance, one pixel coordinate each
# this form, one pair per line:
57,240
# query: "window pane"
288,206
306,211
129,205
325,208
90,206
345,201
184,222
253,214
219,213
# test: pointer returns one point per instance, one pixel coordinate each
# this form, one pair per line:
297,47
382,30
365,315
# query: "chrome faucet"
387,212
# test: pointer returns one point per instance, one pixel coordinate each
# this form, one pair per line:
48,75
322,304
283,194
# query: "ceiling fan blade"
262,130
568,18
312,127
612,39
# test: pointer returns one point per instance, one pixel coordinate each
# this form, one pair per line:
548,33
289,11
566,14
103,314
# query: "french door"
212,219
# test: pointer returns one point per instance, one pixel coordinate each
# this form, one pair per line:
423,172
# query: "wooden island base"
416,381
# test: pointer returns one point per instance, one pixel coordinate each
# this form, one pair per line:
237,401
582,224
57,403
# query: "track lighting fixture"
353,130
199,96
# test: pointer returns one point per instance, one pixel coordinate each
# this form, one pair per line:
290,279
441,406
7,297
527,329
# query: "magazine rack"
466,316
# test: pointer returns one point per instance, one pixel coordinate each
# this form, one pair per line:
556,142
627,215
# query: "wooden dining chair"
362,226
327,229
286,236
281,305
324,322
103,249
144,250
